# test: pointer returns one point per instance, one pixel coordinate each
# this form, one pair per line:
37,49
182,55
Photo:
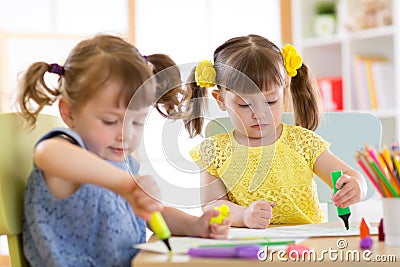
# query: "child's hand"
349,193
215,230
258,214
143,195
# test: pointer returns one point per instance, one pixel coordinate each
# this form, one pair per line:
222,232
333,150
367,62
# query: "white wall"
190,31
46,30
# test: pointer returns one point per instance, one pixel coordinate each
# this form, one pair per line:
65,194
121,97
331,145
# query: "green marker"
160,228
343,213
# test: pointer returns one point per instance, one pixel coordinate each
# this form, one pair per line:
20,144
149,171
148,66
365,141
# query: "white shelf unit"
334,56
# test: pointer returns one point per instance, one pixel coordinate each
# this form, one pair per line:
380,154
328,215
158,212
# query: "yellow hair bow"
291,60
205,74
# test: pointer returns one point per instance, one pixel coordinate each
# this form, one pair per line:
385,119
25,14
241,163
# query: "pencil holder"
391,225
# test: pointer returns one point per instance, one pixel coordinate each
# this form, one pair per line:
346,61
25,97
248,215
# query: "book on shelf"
331,91
383,77
372,82
360,85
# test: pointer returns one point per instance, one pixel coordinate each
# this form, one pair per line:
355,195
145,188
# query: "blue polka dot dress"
92,227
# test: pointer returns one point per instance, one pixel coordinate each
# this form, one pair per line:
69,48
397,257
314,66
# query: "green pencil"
383,178
267,243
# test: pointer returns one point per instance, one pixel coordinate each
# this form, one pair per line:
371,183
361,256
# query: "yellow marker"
160,228
223,213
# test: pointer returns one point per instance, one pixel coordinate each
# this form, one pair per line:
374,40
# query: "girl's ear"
220,99
64,106
287,98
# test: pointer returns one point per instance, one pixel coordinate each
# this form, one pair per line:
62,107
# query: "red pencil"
374,157
370,176
379,180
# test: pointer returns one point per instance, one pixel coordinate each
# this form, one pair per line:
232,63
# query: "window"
46,30
189,31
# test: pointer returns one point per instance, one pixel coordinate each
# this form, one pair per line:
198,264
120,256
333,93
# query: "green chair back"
16,161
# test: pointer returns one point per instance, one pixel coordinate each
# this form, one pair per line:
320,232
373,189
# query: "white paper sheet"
297,231
238,236
181,245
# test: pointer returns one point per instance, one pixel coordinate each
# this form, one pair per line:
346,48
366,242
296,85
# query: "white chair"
346,131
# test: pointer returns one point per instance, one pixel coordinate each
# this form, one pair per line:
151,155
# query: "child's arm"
354,188
183,224
214,193
65,166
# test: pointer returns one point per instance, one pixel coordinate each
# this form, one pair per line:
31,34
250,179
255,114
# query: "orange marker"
364,229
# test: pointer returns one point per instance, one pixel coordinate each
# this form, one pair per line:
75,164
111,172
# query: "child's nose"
119,136
259,111
126,134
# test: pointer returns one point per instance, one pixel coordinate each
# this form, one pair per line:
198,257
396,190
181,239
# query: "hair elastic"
291,60
205,74
57,69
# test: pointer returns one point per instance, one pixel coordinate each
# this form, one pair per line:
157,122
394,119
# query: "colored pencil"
395,145
382,168
384,180
387,158
373,156
396,164
391,177
385,189
369,175
259,242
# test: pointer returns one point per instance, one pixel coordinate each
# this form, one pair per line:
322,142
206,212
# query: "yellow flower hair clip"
291,60
205,74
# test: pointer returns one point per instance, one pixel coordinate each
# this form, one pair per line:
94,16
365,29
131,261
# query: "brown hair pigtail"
195,108
306,99
34,94
169,93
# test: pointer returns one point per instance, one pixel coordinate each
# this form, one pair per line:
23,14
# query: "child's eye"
137,123
272,102
108,122
244,105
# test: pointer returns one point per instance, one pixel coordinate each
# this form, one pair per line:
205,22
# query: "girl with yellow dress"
264,169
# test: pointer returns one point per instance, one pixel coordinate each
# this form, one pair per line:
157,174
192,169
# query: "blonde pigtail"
34,94
303,89
203,76
306,99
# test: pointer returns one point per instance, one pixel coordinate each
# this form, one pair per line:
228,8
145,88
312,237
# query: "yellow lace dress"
281,172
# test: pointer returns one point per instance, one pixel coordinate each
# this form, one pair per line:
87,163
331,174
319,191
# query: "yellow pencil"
369,172
396,161
382,164
391,177
376,171
384,180
386,156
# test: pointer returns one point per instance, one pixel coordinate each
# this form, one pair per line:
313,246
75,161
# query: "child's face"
100,124
255,116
